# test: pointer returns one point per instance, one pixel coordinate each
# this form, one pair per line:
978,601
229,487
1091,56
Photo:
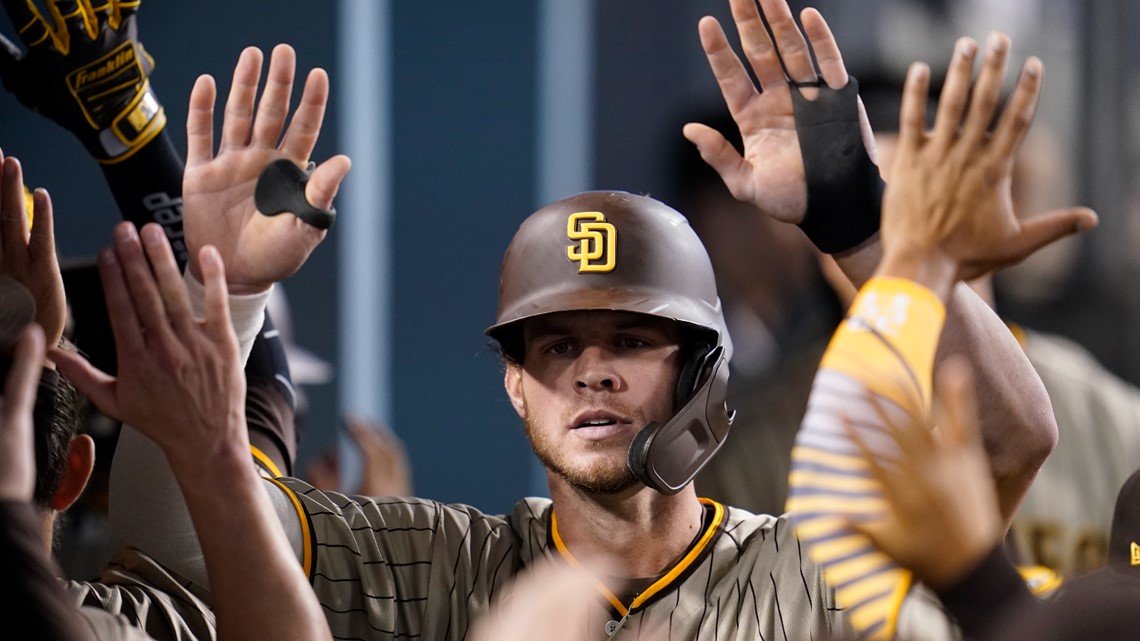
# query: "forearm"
225,497
147,509
1014,411
147,187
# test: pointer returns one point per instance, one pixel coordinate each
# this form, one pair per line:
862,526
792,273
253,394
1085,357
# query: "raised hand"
179,380
948,210
770,174
85,69
29,257
217,191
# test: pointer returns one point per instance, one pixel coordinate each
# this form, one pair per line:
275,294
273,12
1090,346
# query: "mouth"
598,424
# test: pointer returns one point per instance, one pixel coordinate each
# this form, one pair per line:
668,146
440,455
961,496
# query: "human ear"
512,381
76,472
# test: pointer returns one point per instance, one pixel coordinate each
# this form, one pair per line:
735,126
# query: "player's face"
589,381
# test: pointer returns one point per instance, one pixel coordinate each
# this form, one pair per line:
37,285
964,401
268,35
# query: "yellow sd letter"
597,241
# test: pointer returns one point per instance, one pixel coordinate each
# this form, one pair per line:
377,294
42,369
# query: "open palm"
218,190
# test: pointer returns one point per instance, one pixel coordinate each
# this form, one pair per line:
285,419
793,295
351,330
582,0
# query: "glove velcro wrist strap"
844,189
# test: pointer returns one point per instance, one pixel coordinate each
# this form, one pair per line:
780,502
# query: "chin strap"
666,456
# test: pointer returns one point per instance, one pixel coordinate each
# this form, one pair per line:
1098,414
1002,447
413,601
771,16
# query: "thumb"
325,181
715,150
1040,230
92,383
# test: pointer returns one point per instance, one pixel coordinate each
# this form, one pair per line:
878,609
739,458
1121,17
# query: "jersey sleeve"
878,364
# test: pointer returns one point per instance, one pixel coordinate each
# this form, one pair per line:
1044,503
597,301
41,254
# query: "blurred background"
463,117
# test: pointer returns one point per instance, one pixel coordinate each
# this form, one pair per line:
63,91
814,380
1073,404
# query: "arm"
943,220
180,383
1017,424
146,508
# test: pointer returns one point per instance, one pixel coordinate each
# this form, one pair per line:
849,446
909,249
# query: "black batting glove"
85,69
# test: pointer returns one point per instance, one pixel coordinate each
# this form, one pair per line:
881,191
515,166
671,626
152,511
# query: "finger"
325,181
305,127
1040,230
790,42
126,8
13,213
827,54
1018,114
912,115
171,288
217,304
92,383
200,122
733,80
987,91
719,154
955,92
29,23
76,17
757,45
24,377
274,104
140,284
125,325
239,104
41,245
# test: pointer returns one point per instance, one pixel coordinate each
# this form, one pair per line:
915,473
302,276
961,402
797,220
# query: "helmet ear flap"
666,456
689,379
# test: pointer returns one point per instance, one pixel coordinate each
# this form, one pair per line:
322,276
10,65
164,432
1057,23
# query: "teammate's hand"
948,206
217,190
942,514
29,257
770,174
85,69
179,380
17,452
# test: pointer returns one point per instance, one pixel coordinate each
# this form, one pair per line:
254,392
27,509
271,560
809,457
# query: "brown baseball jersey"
386,568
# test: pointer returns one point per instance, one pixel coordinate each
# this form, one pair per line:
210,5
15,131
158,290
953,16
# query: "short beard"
607,482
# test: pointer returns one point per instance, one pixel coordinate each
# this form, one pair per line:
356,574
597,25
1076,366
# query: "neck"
635,534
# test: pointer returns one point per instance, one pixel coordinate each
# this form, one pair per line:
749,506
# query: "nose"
595,371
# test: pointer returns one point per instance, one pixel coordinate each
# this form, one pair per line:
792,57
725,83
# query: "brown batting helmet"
617,251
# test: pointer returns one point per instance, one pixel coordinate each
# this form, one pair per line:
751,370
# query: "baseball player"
615,359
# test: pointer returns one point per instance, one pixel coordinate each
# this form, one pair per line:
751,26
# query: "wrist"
932,270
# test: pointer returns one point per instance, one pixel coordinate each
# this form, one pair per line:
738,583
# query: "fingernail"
211,256
967,47
126,233
107,256
995,42
152,235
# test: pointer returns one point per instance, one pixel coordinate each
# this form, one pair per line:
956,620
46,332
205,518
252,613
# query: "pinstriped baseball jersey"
389,568
136,591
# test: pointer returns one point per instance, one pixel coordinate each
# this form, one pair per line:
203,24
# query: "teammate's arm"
1016,421
943,220
180,382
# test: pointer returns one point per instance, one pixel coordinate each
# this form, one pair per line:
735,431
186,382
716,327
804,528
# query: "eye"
631,342
561,347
